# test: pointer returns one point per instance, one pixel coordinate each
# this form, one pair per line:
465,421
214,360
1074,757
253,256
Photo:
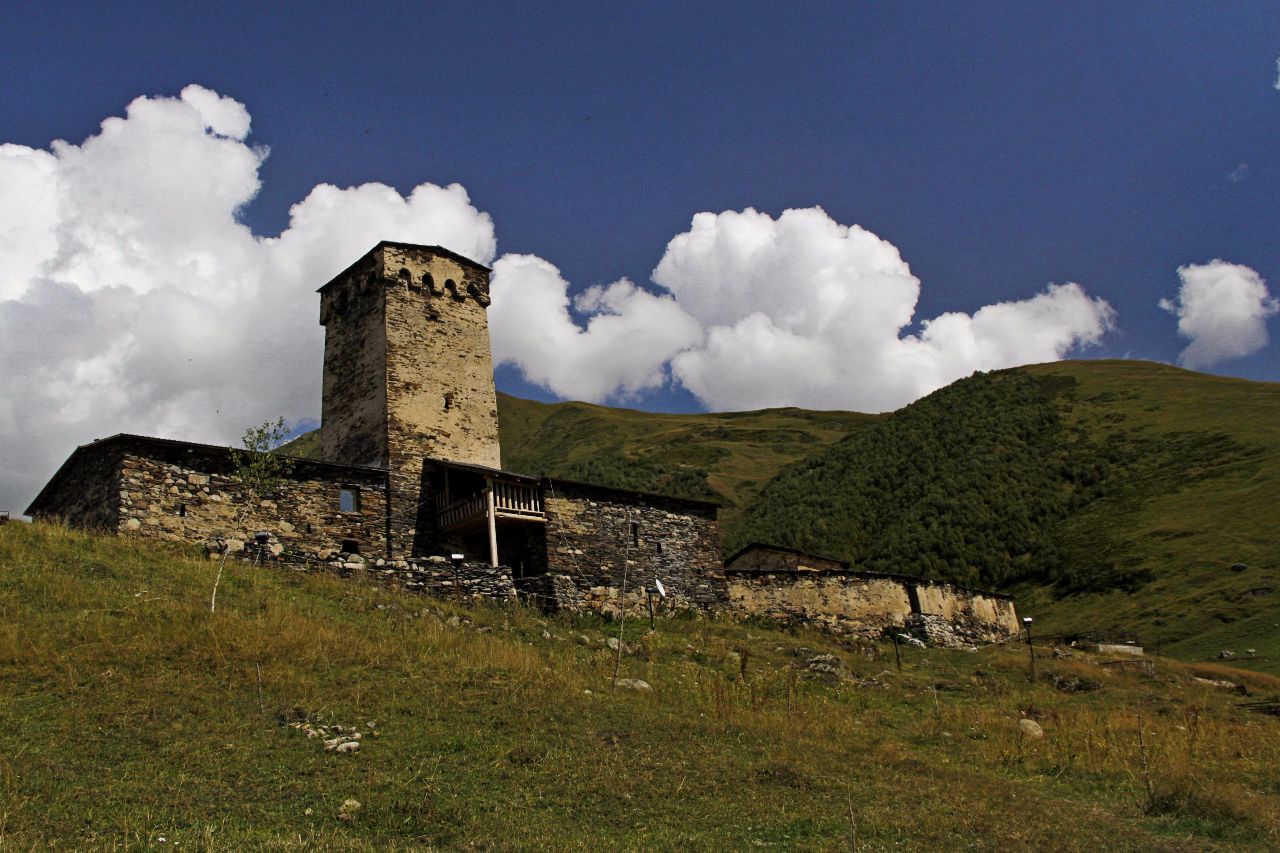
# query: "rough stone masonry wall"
589,538
429,575
865,605
198,500
353,428
441,400
842,603
408,371
85,492
981,616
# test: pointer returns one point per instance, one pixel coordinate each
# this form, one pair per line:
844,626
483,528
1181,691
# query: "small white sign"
662,590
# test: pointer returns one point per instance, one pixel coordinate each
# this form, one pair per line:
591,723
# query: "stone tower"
407,368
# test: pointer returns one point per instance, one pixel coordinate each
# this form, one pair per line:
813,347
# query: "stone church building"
409,469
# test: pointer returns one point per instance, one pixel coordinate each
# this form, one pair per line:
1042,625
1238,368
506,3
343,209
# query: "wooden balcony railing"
510,500
460,512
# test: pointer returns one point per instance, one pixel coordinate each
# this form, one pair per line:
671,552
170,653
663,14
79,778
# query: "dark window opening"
404,275
428,282
448,401
659,547
308,527
349,499
182,510
635,533
350,546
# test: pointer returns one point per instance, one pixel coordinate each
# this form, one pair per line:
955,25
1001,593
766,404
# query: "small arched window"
428,282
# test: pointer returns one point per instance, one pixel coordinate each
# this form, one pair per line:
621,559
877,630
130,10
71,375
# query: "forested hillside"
977,482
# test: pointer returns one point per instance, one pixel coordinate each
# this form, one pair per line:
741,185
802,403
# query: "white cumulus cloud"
627,342
132,299
1222,309
794,311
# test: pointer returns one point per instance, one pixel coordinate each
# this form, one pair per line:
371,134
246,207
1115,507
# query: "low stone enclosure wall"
434,576
867,604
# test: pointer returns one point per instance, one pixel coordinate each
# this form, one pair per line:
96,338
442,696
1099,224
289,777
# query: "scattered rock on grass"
1075,684
347,811
1030,729
633,684
825,667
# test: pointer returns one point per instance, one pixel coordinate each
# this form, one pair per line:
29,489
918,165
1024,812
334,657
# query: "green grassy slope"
134,718
733,453
1208,539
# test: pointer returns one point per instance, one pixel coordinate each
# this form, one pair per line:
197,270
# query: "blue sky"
999,147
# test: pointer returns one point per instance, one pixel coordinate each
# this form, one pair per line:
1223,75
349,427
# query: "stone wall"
592,532
865,604
85,491
195,497
354,391
434,576
979,615
183,492
843,603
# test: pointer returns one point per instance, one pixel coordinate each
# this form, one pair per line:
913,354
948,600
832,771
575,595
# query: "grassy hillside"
134,718
1113,495
1207,536
726,455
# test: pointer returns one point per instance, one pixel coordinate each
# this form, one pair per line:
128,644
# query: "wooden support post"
491,511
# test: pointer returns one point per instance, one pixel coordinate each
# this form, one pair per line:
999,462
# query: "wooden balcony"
510,500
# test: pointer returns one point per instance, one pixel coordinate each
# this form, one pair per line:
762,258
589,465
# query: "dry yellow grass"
131,713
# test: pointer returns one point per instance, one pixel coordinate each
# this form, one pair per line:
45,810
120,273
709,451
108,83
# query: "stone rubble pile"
341,740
